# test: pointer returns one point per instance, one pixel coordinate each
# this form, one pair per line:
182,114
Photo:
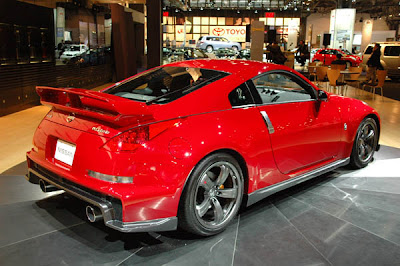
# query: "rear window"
165,84
392,51
368,50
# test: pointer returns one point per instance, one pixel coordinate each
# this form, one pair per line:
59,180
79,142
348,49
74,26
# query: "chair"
354,77
333,75
321,74
337,66
312,70
381,74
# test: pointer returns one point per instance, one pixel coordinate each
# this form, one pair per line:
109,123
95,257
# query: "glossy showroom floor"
341,218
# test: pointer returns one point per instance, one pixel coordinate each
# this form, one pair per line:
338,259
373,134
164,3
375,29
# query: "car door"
391,56
303,131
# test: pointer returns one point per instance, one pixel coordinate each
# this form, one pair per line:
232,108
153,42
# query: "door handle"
267,122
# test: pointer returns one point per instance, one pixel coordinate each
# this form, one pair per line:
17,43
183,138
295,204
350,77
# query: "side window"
392,51
280,88
240,96
323,52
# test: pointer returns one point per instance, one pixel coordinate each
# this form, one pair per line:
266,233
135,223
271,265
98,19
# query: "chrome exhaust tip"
46,187
93,214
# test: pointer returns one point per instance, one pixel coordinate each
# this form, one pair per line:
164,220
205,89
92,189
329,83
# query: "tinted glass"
279,87
392,51
165,84
324,52
240,96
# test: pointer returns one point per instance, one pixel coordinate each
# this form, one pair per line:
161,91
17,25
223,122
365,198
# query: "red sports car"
328,55
189,142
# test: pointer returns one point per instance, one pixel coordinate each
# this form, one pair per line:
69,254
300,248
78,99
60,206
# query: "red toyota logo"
218,31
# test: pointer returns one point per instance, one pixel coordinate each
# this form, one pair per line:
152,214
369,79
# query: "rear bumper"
110,208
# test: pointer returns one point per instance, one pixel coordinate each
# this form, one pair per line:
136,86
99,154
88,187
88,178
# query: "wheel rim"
234,48
209,49
366,142
218,195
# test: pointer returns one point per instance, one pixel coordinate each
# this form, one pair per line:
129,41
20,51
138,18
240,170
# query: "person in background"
276,54
61,48
354,51
339,60
302,53
373,63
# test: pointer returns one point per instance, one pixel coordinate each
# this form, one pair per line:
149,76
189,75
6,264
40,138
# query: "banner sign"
232,33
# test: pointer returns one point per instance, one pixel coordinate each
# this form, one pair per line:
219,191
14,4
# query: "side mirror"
322,96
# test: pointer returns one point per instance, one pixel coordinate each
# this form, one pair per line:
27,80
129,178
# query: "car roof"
241,69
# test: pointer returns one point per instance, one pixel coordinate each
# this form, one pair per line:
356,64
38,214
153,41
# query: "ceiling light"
308,9
268,9
201,8
176,10
255,11
295,9
238,11
218,8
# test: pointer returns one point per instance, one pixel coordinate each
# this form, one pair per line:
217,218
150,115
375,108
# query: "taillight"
137,137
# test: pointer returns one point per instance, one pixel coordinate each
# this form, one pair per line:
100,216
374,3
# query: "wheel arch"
378,124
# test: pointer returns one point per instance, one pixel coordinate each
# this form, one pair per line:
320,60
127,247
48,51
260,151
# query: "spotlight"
218,8
201,8
295,9
268,9
255,12
238,11
308,9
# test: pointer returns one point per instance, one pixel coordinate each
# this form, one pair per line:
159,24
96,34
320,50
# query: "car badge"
100,130
70,118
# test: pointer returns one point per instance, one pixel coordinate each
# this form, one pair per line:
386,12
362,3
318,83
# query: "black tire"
209,49
365,143
212,196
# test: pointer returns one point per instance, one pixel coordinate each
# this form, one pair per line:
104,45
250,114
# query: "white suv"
211,43
390,57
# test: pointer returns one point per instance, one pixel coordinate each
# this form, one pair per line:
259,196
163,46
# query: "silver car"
211,43
390,57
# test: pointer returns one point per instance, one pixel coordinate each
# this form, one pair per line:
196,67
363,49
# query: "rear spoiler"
98,105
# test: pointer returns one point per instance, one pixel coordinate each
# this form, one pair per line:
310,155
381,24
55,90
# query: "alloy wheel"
218,194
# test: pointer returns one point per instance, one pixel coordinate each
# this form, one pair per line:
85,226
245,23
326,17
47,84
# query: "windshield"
165,84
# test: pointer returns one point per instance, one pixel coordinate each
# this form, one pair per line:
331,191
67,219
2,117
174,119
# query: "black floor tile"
79,245
15,189
180,248
343,243
29,219
266,237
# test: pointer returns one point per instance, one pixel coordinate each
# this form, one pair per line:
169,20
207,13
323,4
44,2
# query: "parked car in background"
73,50
226,53
328,55
187,53
390,57
211,43
244,54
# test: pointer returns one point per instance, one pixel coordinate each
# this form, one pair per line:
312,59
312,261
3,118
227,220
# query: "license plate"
65,152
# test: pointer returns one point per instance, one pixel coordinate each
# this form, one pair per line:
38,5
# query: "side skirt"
265,192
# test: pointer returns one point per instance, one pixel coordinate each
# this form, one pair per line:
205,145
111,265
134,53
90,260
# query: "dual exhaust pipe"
93,214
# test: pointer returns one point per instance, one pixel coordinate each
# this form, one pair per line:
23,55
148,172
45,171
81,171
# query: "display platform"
341,218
